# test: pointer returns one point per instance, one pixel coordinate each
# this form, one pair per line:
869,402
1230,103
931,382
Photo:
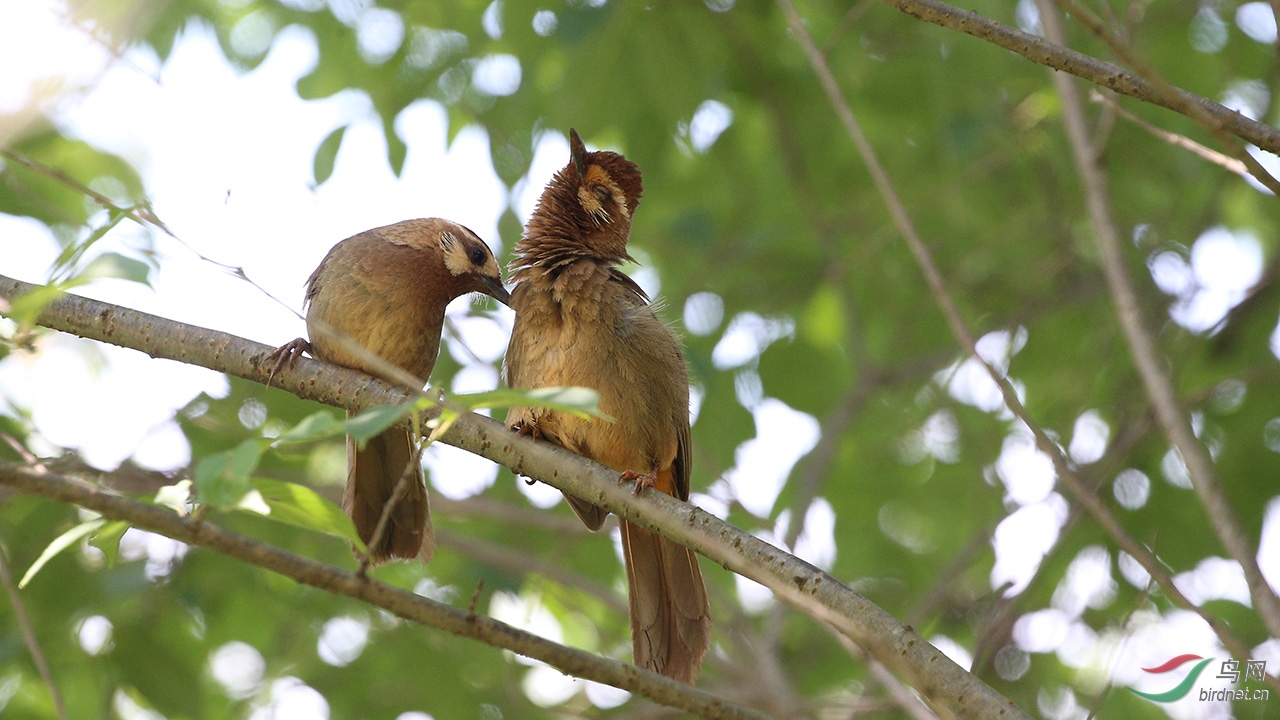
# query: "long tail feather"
670,616
372,476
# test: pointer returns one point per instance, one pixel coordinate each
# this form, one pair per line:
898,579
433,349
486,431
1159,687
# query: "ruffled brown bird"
385,290
581,321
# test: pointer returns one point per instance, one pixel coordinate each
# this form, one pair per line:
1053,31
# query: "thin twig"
1172,138
814,470
900,695
1101,73
1173,420
475,597
931,601
513,561
1095,507
847,22
1132,431
1213,124
1117,652
95,31
18,447
455,334
407,476
29,634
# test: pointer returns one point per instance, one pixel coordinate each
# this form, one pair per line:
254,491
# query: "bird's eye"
477,256
601,192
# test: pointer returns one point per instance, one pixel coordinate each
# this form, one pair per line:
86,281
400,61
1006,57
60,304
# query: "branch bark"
399,602
1099,72
951,690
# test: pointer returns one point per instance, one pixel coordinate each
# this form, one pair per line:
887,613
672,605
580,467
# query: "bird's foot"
643,480
285,356
528,428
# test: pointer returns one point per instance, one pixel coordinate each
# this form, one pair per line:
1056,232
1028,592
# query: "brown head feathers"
585,211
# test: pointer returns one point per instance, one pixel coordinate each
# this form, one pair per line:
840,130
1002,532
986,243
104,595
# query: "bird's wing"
625,280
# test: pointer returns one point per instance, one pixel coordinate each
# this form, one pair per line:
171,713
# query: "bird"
385,290
580,321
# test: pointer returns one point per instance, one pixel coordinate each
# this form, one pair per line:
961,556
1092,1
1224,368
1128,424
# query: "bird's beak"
493,288
578,153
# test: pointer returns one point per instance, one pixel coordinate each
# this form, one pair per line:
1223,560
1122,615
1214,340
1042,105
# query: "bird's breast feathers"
606,337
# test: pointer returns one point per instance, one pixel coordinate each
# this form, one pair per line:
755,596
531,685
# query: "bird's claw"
643,480
285,356
525,428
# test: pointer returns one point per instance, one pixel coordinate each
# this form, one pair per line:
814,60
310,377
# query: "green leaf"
303,507
397,150
316,426
374,420
441,422
326,154
113,265
60,543
63,267
108,538
823,321
223,478
54,193
580,401
27,307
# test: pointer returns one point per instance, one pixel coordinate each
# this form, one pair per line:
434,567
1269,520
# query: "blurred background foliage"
767,234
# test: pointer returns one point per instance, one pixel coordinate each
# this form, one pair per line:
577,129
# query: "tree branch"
949,687
1142,346
520,563
1122,49
1096,71
937,286
1172,138
399,602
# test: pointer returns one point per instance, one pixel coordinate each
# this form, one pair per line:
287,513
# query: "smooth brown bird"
385,290
581,321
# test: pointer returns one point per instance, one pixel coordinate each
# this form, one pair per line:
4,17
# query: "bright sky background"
227,162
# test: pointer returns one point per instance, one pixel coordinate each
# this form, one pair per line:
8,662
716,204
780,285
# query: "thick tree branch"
1142,346
1096,71
402,603
952,691
937,286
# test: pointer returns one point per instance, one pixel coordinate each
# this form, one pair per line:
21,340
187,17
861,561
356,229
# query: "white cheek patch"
455,258
592,205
